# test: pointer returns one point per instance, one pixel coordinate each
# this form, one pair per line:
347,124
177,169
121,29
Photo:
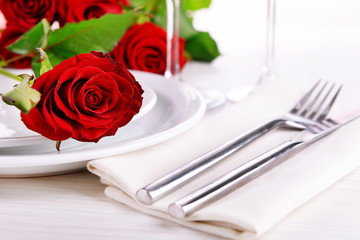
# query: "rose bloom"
8,36
143,47
25,14
86,97
79,10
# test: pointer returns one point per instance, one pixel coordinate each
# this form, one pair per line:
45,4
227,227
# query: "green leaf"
23,96
36,37
54,59
101,34
202,47
142,3
45,62
195,4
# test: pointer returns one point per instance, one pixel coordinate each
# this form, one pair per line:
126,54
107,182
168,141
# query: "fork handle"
168,183
232,180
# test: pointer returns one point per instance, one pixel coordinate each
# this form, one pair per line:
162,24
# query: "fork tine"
312,103
304,99
318,107
324,113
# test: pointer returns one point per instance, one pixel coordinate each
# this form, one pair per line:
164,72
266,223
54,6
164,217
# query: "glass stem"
172,39
268,70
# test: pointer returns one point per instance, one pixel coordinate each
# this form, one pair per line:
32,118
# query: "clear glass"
268,72
172,29
213,98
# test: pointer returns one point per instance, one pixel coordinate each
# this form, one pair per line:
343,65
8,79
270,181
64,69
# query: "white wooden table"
73,206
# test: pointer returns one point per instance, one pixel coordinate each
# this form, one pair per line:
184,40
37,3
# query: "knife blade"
254,168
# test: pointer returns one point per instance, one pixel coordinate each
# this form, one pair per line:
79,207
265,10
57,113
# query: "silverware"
313,107
252,169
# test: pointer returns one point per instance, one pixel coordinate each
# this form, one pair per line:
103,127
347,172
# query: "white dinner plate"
178,107
13,132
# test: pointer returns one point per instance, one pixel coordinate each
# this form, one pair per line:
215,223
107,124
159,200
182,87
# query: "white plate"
178,108
14,133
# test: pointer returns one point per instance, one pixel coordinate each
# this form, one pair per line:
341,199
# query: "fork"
254,168
308,111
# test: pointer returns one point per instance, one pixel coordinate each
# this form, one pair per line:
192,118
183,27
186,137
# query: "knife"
252,169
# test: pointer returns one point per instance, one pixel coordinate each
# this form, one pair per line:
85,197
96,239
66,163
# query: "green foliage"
202,47
36,66
103,33
142,3
45,62
100,34
195,4
32,39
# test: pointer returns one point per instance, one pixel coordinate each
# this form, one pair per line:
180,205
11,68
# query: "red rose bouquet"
82,88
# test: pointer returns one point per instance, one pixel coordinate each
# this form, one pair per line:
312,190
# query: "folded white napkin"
256,207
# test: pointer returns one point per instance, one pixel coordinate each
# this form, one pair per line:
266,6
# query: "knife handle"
232,180
168,183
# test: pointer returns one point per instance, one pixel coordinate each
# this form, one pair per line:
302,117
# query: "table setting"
189,152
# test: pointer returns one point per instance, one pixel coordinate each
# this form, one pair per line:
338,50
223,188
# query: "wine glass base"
239,93
213,98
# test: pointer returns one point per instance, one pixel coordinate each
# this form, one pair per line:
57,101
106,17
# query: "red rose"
86,97
143,47
26,14
8,36
79,10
